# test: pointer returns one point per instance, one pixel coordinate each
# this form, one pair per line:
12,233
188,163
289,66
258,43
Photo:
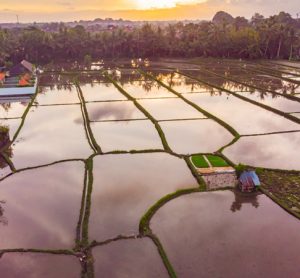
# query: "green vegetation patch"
199,161
283,188
216,161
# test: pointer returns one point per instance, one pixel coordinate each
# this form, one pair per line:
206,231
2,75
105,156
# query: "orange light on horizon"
161,4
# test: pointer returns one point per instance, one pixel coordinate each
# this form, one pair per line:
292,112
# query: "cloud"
66,10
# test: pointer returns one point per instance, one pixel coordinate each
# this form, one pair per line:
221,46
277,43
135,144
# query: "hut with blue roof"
248,181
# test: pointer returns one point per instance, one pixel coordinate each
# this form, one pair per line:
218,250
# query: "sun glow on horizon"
160,4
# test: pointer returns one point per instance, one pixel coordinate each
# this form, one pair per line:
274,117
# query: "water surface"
101,92
49,134
33,265
243,116
147,89
277,151
128,258
120,110
195,136
126,135
169,109
48,95
39,211
226,235
125,186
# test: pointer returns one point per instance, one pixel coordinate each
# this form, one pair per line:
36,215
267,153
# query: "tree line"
274,37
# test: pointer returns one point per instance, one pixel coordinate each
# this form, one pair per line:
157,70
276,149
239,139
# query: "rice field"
98,172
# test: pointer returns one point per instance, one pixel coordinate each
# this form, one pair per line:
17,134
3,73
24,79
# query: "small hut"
22,68
248,181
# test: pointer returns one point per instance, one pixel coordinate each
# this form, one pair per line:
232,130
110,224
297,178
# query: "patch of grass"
200,180
283,188
240,168
199,161
216,161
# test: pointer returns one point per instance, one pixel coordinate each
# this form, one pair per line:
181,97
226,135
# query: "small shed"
248,181
21,68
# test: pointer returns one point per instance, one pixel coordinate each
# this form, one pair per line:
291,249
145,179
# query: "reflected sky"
259,240
245,117
274,101
128,258
147,89
168,109
120,110
126,136
101,92
50,134
195,136
125,186
277,151
33,265
48,95
42,212
13,108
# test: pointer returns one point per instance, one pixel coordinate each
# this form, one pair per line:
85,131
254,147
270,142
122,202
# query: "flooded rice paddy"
224,235
96,178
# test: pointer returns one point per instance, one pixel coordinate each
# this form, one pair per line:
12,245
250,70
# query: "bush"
240,168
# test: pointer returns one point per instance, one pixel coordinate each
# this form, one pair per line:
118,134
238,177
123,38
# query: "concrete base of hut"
220,180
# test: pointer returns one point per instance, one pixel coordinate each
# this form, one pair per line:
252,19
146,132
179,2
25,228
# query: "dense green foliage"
216,161
199,161
273,37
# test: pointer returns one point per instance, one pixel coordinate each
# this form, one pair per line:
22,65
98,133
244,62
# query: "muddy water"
39,211
226,235
277,151
128,258
32,265
195,136
126,136
125,186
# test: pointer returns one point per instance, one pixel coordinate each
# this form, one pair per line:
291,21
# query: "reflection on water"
169,109
195,136
258,241
101,92
125,186
42,207
241,199
128,258
275,151
3,219
57,95
126,135
245,117
51,133
274,101
122,110
13,107
36,265
147,89
6,150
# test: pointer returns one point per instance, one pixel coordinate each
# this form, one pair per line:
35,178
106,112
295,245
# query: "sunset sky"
66,10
